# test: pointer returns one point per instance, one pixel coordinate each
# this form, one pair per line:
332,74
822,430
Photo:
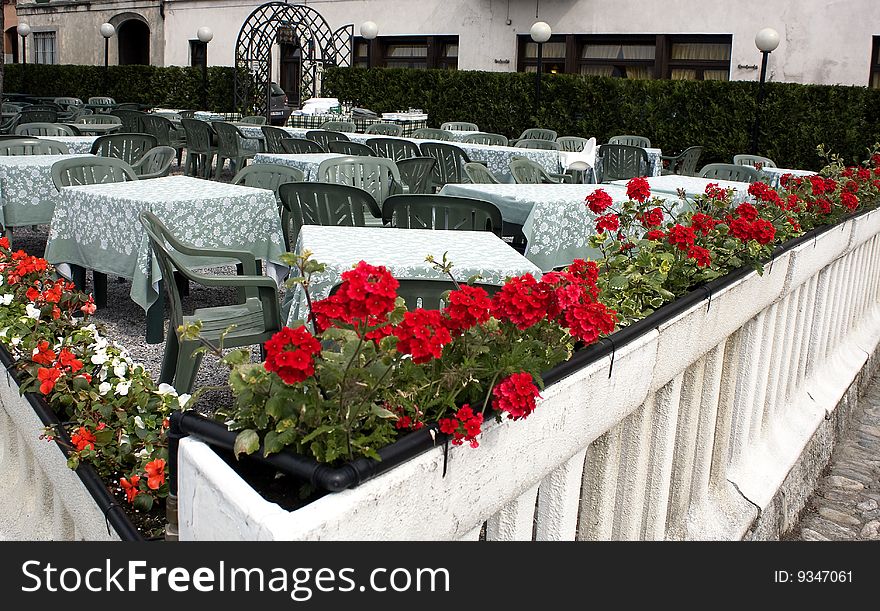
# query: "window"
699,59
875,64
44,48
552,55
198,53
407,52
361,54
624,58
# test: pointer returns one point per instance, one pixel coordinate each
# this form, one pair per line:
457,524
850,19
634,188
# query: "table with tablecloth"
692,186
772,176
96,227
308,163
403,252
77,145
360,123
27,193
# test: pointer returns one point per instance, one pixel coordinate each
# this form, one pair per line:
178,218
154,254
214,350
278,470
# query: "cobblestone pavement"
846,504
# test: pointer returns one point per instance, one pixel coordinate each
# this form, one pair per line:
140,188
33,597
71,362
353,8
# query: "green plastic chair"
536,133
479,174
199,149
450,162
337,126
486,138
631,141
534,143
165,132
272,137
376,175
685,163
417,173
571,144
156,163
460,126
527,172
622,161
441,212
43,129
99,120
430,133
102,101
32,146
301,146
325,137
231,146
384,129
347,147
253,120
429,293
90,171
394,149
128,147
754,161
68,101
254,321
36,115
730,171
321,203
131,120
268,176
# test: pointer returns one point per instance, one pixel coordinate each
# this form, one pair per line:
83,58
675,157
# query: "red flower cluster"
155,473
587,321
763,231
849,201
747,226
608,222
422,334
700,255
24,264
515,395
467,307
83,439
130,486
406,422
48,376
522,301
465,426
366,291
599,201
651,218
655,234
703,223
290,353
681,236
713,191
638,189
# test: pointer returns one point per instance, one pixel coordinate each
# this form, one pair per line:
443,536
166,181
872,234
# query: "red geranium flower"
515,395
681,236
638,189
850,201
67,359
700,255
655,234
365,291
522,301
608,222
714,191
4,242
83,439
588,321
422,334
290,354
130,486
599,201
467,307
465,426
703,223
155,473
741,228
763,231
651,218
748,211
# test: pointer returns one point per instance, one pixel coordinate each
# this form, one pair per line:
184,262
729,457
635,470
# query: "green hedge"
674,114
172,86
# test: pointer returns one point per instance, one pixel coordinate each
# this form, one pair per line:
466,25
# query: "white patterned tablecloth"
27,193
772,176
403,252
97,227
693,185
307,162
77,145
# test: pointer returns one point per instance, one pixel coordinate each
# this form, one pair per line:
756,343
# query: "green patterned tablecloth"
307,162
96,226
403,252
27,194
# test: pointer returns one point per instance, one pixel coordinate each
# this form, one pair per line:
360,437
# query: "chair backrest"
129,106
168,114
267,176
538,133
384,129
32,115
325,137
428,293
685,163
450,162
622,161
253,119
320,203
155,163
43,129
527,172
347,147
755,161
90,171
486,138
479,174
131,120
631,140
99,120
534,143
128,147
571,144
198,135
730,171
376,175
301,146
272,137
460,126
101,101
68,101
417,173
430,133
9,108
159,127
338,126
32,146
394,149
230,140
442,212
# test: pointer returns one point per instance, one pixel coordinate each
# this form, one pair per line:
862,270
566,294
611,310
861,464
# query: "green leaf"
247,442
618,282
143,501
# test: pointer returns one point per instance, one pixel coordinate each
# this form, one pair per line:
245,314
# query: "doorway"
291,72
134,42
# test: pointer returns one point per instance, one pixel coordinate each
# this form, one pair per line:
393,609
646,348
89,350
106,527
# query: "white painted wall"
823,41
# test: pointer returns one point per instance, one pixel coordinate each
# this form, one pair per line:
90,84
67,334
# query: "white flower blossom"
142,452
15,341
7,298
183,399
139,422
100,357
122,387
104,388
119,368
32,312
166,389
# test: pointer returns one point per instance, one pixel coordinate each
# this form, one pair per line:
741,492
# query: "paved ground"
846,504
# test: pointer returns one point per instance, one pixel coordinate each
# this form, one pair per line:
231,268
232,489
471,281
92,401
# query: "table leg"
99,284
156,319
78,276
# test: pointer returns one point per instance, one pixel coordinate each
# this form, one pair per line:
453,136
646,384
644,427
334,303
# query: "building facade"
822,41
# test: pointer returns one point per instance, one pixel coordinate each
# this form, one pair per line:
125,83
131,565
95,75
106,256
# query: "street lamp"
24,31
369,31
540,33
205,35
766,40
107,31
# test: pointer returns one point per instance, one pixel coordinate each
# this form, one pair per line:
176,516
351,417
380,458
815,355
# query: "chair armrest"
561,177
246,258
247,281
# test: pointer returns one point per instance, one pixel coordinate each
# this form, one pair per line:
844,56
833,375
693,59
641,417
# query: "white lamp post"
369,31
540,33
24,31
205,35
107,31
766,40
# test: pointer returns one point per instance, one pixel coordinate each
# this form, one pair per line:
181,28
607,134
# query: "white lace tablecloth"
403,252
97,226
27,193
772,175
77,145
693,185
307,162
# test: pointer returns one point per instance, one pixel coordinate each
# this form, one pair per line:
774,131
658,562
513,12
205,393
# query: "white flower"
139,422
142,452
119,368
32,311
7,298
100,357
183,399
122,387
104,387
166,389
15,341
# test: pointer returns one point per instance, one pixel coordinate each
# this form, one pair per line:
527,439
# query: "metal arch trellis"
320,46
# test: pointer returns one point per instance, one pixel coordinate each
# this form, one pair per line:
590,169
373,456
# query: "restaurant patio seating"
323,203
199,149
44,129
272,137
156,163
622,162
301,146
253,119
527,172
36,115
90,171
231,146
536,133
267,176
441,212
165,132
450,162
128,147
629,140
376,175
32,146
99,120
394,149
254,321
460,126
347,147
324,137
480,174
571,144
486,138
430,133
754,161
536,143
685,163
730,171
337,126
384,129
416,174
131,119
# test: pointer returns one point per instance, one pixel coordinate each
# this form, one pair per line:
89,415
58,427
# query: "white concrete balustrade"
712,426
